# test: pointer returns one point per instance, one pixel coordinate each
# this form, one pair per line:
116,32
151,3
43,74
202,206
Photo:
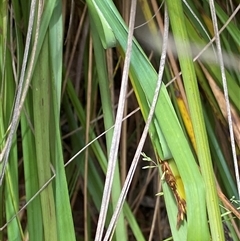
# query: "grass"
71,163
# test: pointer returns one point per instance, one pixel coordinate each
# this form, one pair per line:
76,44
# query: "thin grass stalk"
117,129
88,116
225,88
108,117
144,134
95,184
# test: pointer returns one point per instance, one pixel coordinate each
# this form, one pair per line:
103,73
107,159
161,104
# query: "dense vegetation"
108,136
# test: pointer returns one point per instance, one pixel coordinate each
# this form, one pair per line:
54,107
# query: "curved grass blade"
175,138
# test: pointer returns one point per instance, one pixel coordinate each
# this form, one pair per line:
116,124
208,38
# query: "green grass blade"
34,211
190,81
63,208
41,110
12,201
